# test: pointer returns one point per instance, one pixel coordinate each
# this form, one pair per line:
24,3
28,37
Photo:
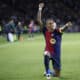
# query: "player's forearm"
63,27
66,26
39,16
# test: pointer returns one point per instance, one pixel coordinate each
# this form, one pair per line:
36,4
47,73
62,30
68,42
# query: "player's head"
50,24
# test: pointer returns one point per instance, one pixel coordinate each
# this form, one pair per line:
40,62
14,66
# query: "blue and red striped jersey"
53,40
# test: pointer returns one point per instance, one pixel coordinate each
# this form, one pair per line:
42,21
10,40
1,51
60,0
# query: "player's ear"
54,25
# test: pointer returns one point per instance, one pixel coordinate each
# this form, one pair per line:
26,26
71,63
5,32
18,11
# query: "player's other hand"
69,24
41,5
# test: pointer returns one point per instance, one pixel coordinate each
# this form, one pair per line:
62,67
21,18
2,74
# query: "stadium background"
61,10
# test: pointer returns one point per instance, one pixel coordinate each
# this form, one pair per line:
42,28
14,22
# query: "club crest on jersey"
52,41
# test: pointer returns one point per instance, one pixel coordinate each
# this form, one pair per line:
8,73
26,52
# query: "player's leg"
7,37
18,36
46,64
56,66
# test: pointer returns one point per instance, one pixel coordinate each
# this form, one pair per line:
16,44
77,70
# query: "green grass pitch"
24,60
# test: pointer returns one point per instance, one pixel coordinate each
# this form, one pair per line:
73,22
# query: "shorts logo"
52,41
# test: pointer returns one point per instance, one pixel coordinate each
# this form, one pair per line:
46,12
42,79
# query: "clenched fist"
68,24
41,5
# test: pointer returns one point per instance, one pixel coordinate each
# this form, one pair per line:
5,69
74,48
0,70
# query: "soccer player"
31,28
53,37
19,29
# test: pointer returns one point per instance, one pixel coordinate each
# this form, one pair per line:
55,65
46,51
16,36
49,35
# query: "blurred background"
25,10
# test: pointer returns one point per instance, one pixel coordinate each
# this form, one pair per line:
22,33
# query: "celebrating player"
53,37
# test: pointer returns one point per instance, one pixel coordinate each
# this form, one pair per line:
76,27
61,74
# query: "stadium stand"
61,10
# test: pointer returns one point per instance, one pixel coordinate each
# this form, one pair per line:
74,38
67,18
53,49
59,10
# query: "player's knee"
46,53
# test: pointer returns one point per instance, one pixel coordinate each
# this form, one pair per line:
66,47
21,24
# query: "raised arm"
39,15
68,24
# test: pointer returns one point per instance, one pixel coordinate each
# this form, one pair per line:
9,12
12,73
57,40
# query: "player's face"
50,25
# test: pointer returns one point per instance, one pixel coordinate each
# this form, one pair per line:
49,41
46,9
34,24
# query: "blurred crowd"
20,17
13,27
